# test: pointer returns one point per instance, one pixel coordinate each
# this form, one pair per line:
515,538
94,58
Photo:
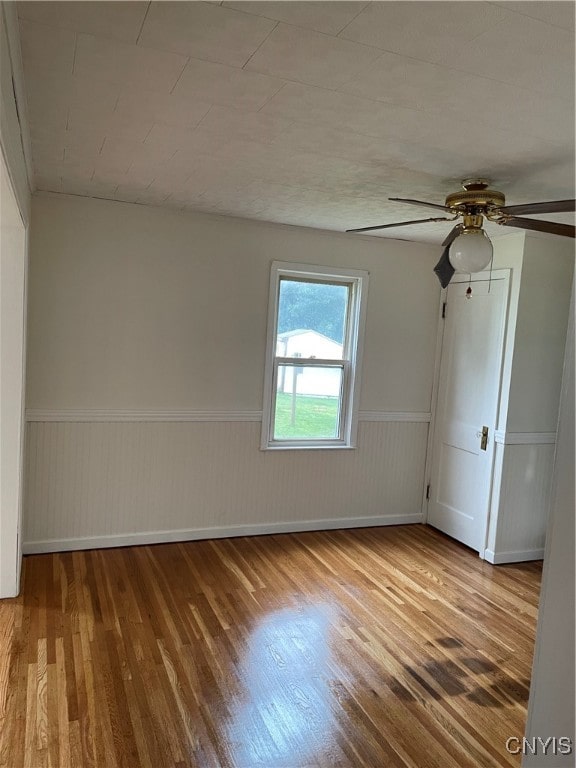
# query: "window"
315,330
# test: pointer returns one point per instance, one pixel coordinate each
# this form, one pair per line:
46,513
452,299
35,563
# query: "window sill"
308,447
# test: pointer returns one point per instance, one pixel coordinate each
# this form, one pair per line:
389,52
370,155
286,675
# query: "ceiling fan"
467,247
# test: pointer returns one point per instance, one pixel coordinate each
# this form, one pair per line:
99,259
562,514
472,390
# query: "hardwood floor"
359,649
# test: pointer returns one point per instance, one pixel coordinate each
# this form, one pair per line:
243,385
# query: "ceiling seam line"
337,89
533,18
260,46
143,22
199,123
350,22
74,54
441,66
180,75
269,99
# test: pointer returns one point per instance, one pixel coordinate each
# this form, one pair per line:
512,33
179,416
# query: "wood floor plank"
384,647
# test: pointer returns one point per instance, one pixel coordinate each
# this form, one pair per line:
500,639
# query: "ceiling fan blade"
555,206
552,227
452,235
397,224
418,202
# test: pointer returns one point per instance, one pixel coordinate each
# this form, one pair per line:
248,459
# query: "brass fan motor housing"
476,198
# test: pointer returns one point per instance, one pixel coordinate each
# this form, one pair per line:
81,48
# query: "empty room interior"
287,384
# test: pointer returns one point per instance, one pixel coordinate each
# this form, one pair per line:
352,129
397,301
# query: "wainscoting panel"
522,488
105,484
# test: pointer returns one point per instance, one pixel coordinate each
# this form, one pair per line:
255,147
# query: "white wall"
551,705
137,307
145,377
14,213
540,334
12,334
541,270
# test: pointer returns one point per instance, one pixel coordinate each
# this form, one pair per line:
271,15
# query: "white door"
12,337
467,407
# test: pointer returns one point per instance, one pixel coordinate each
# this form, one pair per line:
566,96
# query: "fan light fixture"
471,251
467,248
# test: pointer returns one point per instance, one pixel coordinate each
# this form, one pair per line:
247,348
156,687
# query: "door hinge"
444,309
428,491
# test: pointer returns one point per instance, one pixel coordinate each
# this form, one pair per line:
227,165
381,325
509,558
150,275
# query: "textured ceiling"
307,113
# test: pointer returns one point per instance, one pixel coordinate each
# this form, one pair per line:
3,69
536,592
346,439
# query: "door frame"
11,513
485,276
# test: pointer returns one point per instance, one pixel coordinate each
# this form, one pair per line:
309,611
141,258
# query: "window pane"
307,403
311,319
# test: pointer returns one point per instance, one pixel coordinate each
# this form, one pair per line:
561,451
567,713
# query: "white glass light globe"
471,251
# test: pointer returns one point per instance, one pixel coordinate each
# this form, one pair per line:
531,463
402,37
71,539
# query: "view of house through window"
316,320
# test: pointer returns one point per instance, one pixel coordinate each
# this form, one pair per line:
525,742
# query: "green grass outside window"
314,417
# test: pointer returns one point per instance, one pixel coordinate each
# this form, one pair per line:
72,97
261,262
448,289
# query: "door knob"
483,438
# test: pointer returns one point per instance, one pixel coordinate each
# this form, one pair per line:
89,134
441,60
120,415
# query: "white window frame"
351,362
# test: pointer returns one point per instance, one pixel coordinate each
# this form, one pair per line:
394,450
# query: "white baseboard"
194,534
521,556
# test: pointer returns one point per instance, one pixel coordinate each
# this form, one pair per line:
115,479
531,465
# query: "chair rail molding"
524,438
88,415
